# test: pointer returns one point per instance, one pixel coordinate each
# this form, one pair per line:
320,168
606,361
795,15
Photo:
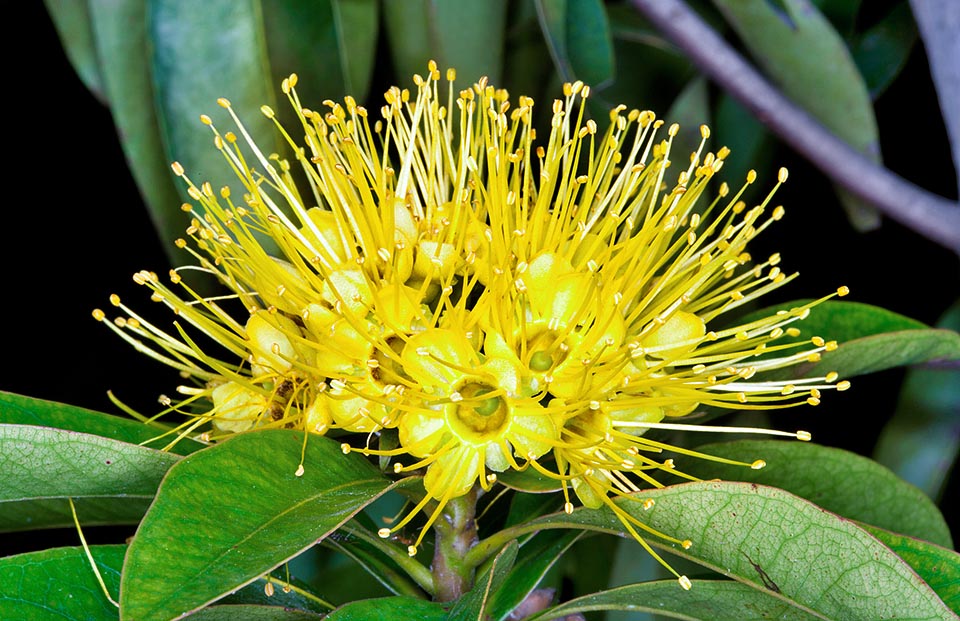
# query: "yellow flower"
504,303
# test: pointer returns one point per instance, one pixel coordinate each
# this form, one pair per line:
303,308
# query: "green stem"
483,550
456,535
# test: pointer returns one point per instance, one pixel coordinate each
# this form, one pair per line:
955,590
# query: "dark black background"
75,230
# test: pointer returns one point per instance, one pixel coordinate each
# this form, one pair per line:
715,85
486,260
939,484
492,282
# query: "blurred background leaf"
922,440
802,51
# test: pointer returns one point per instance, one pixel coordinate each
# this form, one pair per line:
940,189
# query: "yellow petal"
532,431
341,349
679,335
348,290
269,341
237,408
555,290
453,473
426,352
421,433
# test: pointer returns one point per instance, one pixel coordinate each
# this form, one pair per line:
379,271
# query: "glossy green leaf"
708,600
40,468
871,339
882,51
71,18
578,36
122,46
466,36
530,481
536,556
249,612
230,513
20,410
389,609
477,603
938,566
202,52
800,49
921,441
525,506
830,478
60,584
776,543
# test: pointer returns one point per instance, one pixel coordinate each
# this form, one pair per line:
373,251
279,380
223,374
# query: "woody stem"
456,534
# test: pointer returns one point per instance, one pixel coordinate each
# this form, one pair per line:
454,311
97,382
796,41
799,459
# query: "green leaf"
230,513
466,36
708,600
202,52
60,584
122,46
526,506
882,51
841,13
830,478
763,536
476,604
389,609
537,555
39,585
799,48
871,339
690,109
40,468
20,410
72,21
578,36
749,141
530,481
357,23
341,32
249,612
938,566
921,441
373,554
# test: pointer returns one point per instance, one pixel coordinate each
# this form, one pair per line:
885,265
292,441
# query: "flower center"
475,416
388,370
546,351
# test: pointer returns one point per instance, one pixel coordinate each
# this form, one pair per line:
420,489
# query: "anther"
685,583
411,550
383,533
757,465
804,436
345,448
300,471
648,504
568,508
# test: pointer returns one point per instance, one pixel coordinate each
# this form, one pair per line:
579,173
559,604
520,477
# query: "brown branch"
932,216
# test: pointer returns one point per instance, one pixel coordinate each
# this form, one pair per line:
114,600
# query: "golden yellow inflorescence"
503,304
